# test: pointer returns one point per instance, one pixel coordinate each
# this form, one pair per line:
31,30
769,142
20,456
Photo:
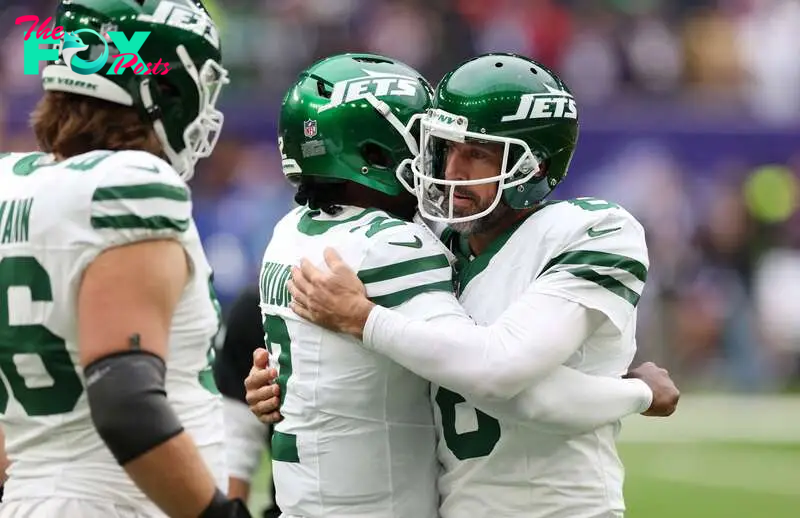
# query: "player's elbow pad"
129,404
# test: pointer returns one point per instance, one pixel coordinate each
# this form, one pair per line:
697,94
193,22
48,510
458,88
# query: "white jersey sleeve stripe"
132,221
408,281
399,297
151,206
608,282
393,284
392,271
588,262
141,192
592,258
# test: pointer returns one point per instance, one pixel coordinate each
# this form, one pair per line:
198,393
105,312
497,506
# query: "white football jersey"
587,251
357,438
55,218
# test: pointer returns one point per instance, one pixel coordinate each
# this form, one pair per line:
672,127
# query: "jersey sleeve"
601,264
139,197
569,401
403,263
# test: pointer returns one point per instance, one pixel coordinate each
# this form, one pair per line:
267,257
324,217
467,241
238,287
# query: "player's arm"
533,336
537,333
571,402
245,434
554,403
590,282
126,301
563,401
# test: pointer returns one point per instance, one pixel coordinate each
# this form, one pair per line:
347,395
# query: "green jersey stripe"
403,268
608,282
131,221
590,258
141,192
284,447
391,300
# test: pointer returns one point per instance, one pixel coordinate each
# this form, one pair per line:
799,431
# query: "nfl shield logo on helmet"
309,128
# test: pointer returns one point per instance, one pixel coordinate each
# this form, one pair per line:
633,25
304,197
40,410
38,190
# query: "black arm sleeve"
243,334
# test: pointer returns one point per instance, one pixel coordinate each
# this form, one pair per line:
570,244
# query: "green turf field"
712,480
718,457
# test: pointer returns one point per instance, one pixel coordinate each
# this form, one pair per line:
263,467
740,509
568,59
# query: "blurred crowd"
691,113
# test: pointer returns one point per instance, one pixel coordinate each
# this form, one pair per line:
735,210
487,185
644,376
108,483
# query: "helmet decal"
556,104
379,84
351,117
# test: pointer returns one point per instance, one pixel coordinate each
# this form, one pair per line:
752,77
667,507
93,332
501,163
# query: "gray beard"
480,225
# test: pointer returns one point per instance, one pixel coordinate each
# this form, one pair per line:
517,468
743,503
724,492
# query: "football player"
106,308
343,130
553,283
356,438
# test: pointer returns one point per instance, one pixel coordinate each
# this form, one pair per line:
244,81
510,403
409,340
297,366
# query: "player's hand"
665,393
335,299
262,394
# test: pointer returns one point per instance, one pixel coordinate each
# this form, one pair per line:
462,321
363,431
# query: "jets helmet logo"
555,104
379,84
187,17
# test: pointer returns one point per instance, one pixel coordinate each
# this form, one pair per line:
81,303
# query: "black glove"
221,507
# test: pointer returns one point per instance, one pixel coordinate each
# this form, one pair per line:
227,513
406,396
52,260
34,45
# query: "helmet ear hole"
376,156
322,90
372,59
165,88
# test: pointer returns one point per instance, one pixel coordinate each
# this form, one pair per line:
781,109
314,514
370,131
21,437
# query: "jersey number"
277,339
26,347
592,204
284,445
469,445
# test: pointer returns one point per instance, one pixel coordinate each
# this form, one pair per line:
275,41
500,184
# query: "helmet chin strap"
175,159
386,112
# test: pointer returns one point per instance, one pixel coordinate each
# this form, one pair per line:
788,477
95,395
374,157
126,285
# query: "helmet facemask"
201,134
435,193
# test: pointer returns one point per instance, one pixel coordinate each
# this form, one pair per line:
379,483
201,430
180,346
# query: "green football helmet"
181,103
500,98
349,117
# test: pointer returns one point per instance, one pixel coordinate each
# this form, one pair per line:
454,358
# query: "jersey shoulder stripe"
402,263
124,194
402,268
140,193
586,263
595,254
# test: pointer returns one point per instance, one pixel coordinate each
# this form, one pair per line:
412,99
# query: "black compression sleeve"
129,404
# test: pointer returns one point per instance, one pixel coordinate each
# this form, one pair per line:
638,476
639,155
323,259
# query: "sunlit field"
718,457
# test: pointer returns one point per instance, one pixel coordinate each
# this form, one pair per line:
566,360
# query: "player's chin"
461,207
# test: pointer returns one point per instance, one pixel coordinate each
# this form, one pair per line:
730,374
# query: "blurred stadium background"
690,119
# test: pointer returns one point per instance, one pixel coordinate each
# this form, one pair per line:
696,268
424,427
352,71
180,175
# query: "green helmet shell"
181,102
508,99
348,118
